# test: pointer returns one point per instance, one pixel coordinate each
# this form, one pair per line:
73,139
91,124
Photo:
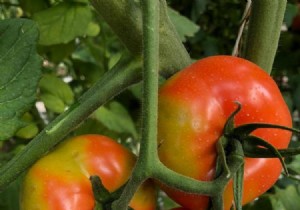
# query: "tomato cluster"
194,105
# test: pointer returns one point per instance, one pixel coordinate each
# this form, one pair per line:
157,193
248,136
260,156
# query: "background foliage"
76,47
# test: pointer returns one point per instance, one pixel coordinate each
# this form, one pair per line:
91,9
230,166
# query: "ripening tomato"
60,180
194,105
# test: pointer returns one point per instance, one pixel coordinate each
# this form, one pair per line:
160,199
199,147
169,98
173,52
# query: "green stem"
264,31
148,151
121,76
217,202
150,75
190,185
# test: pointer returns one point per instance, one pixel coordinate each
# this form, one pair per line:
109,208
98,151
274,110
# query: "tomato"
194,105
60,180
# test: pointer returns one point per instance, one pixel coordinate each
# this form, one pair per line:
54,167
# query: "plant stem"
264,31
150,78
148,151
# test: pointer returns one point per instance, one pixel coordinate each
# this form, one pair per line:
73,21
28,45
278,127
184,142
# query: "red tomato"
194,105
60,180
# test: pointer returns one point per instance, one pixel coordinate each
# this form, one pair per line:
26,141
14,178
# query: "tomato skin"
194,105
60,180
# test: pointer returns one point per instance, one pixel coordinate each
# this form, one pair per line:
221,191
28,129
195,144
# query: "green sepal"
229,125
252,143
246,129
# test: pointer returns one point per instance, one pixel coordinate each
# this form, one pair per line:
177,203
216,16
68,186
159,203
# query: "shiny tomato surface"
194,105
60,180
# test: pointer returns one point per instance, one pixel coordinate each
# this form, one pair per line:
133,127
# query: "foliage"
78,47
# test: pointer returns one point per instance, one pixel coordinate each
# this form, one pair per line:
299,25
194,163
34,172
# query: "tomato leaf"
57,53
184,26
294,165
30,130
55,86
289,197
266,201
9,198
63,22
20,71
116,118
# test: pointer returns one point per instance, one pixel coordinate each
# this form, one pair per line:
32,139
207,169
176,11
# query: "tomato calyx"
253,146
238,143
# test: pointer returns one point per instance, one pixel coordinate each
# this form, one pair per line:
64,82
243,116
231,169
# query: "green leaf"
266,202
53,103
289,197
20,68
56,53
55,86
294,165
198,8
184,26
93,29
9,199
30,130
63,22
116,118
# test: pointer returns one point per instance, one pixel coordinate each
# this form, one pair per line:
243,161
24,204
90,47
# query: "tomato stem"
148,145
264,30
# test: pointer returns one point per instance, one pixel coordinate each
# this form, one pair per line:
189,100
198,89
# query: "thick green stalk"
150,78
121,76
264,31
125,18
148,148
